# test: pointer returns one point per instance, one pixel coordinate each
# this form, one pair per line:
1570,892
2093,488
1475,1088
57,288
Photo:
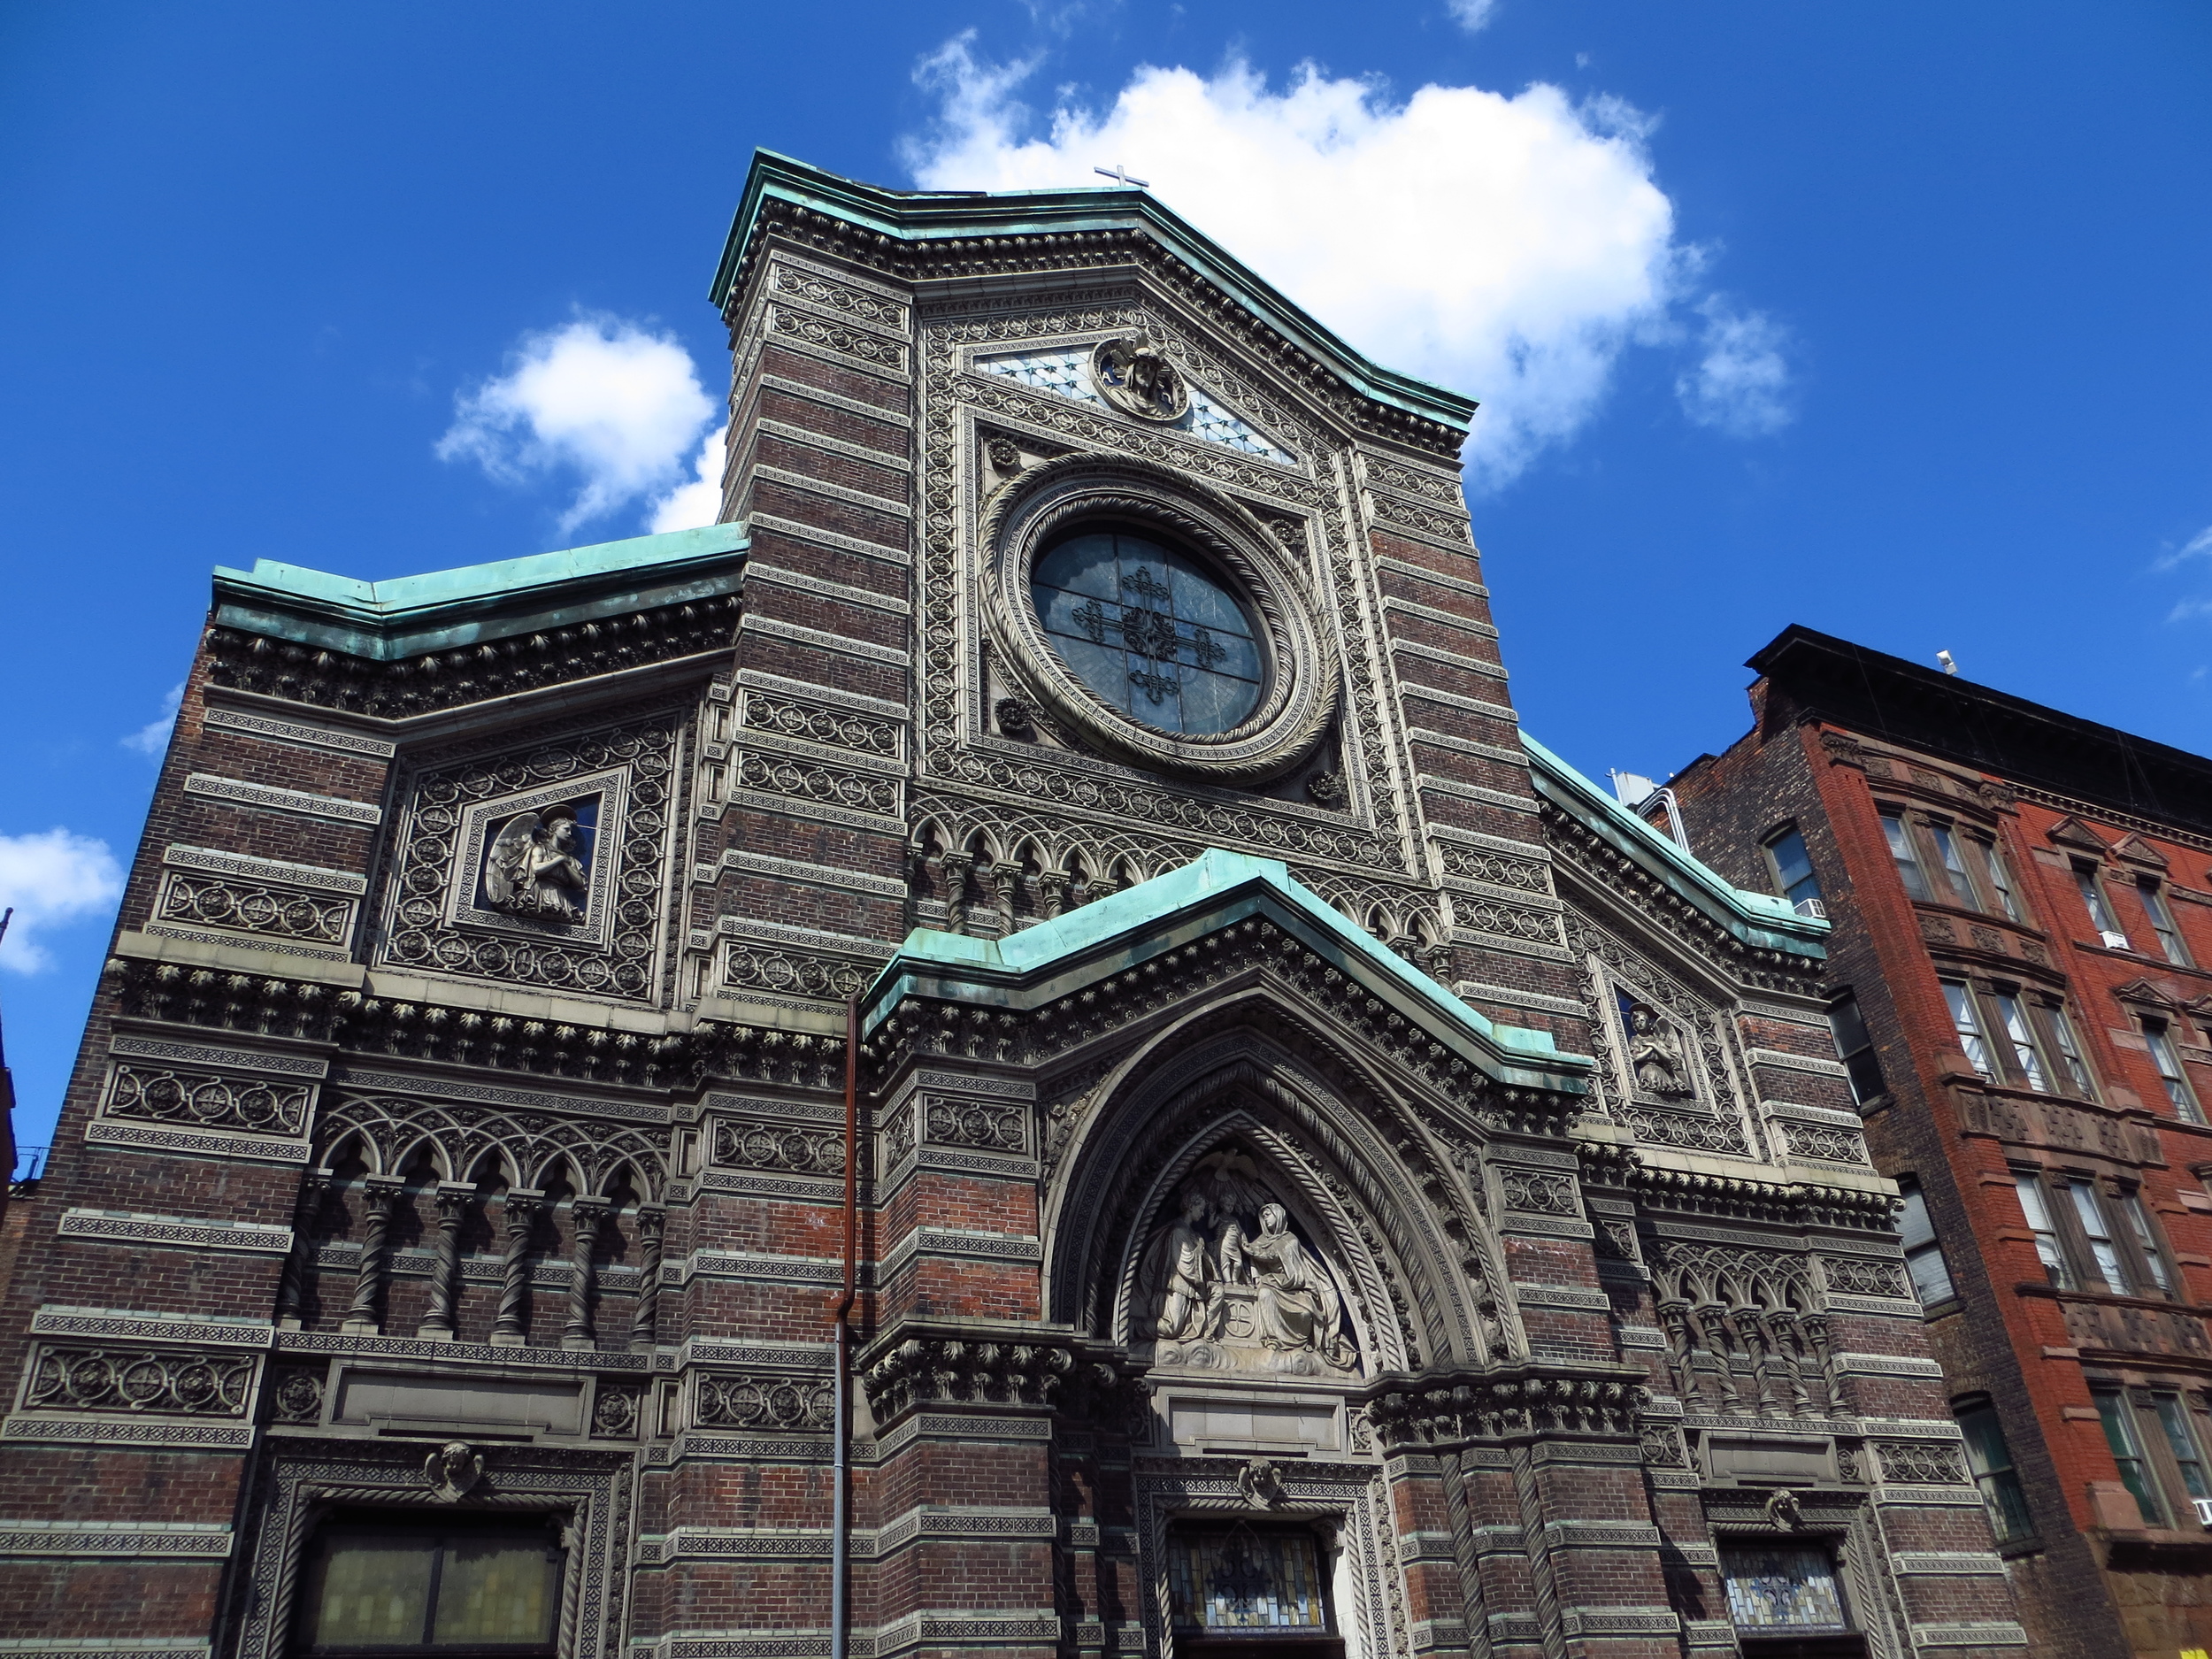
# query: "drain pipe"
840,1516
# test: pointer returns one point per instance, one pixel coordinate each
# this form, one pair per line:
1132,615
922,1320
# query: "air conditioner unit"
2204,1511
1813,908
2114,941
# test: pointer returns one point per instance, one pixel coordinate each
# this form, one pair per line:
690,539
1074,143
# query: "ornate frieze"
162,1382
207,1100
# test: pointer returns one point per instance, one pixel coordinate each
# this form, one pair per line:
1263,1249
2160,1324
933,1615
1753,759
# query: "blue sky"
1893,320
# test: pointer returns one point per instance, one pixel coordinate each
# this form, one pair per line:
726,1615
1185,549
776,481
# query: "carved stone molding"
1435,1410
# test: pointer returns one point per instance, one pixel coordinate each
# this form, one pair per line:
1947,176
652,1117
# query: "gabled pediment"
2072,831
2147,991
2136,850
1151,926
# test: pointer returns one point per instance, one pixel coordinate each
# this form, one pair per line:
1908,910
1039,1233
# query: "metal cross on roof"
1121,177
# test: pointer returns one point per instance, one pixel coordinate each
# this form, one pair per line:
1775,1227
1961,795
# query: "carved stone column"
651,1222
377,1195
1005,885
520,1211
587,1217
1715,1320
1791,1349
1751,1330
439,1323
1815,1328
1675,1317
1052,893
955,867
307,1214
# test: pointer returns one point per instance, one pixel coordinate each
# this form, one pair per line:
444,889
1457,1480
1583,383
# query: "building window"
1243,1581
2100,916
2139,1220
1901,853
2181,1439
2122,1435
2162,919
2069,1051
1966,1020
1856,1050
2026,1062
1150,630
1793,873
1923,1257
2096,1232
2000,878
1789,1590
2035,1207
381,1585
1962,885
1991,1460
2160,1039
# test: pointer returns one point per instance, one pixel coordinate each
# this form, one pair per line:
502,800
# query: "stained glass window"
382,1586
1241,1580
1149,631
1787,1587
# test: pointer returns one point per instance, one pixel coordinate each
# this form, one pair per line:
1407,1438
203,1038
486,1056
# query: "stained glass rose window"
1148,630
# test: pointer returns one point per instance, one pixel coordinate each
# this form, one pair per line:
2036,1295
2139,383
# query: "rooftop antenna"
1950,667
1120,175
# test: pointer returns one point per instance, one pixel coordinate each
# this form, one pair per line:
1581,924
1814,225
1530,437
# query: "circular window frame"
1049,503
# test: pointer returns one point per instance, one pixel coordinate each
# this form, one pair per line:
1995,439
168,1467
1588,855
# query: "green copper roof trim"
923,216
1215,890
1760,919
442,609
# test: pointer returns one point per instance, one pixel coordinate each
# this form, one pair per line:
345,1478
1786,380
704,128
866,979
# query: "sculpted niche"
536,861
1225,1284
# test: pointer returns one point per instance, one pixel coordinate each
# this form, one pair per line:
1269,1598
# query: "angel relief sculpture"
534,864
1227,1286
1655,1052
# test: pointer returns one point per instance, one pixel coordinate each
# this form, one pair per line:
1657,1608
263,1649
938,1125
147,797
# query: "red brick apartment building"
1322,1178
2020,976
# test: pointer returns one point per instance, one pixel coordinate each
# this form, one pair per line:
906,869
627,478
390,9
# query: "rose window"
1149,631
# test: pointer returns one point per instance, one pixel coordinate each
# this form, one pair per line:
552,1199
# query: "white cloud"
153,737
1473,15
697,502
601,399
51,880
1509,248
2198,546
1741,384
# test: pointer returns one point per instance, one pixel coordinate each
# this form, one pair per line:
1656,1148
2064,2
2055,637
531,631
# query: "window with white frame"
1793,873
2159,1038
2100,916
2156,1266
1923,1256
2020,1039
1966,1020
2070,1054
2104,1252
2035,1205
1952,862
2162,921
2001,879
1905,856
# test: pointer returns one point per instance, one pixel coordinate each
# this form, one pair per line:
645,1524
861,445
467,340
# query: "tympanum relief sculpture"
535,862
1225,1285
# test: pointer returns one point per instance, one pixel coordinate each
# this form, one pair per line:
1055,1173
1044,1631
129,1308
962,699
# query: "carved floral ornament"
1296,698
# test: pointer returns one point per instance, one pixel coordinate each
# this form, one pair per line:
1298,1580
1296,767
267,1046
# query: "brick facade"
1347,1131
1845,736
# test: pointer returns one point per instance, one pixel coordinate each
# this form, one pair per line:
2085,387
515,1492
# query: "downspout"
840,1516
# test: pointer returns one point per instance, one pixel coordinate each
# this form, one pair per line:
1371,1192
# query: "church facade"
1057,875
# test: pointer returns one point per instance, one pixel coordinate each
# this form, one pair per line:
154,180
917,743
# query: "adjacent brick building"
2021,900
1328,1179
